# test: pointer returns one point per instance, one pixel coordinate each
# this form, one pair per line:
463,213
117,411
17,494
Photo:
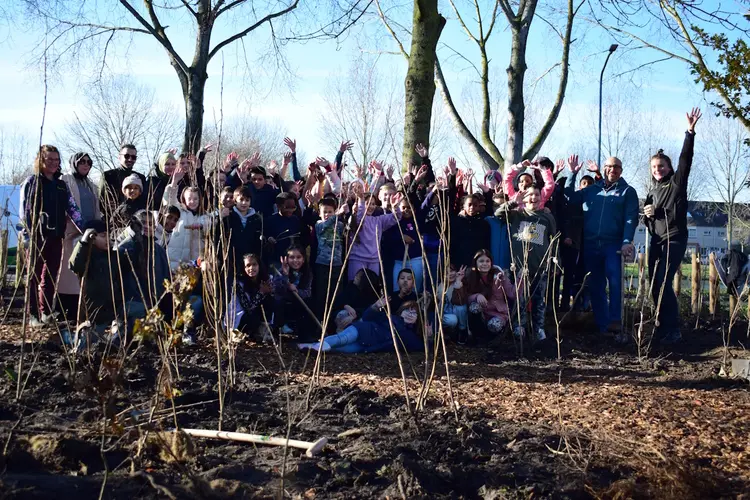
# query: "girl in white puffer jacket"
186,242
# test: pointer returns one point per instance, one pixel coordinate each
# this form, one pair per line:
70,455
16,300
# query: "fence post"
713,286
641,277
3,256
696,283
677,285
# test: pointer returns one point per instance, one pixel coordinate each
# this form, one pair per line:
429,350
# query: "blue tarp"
10,197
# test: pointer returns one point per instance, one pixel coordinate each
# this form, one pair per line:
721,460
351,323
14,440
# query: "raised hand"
255,159
421,150
172,151
421,173
484,187
272,167
346,146
559,166
396,199
225,212
452,165
389,171
692,117
343,209
358,189
461,273
230,160
322,162
573,163
178,173
284,266
291,144
591,166
207,148
377,166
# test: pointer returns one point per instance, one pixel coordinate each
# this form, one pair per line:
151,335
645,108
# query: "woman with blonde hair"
46,206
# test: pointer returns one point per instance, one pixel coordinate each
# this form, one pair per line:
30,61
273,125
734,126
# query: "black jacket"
468,236
241,240
110,196
669,198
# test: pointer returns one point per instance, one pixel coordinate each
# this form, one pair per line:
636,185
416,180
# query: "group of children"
360,256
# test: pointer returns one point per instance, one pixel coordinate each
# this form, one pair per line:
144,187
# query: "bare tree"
246,136
724,157
72,25
118,111
16,156
362,106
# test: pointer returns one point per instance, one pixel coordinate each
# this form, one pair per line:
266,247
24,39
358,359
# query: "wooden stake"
713,286
310,448
677,285
696,284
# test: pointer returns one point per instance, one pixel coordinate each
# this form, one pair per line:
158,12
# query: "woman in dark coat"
665,209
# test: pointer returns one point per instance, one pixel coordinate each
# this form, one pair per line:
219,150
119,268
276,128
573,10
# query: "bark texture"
427,25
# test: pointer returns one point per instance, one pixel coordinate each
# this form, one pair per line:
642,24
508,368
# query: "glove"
88,236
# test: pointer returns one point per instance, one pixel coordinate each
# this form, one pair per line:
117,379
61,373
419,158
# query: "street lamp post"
612,48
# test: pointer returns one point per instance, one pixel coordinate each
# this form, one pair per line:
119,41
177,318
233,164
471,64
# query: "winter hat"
493,174
132,180
162,161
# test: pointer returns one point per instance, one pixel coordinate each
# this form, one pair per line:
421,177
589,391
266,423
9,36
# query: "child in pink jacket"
525,180
488,292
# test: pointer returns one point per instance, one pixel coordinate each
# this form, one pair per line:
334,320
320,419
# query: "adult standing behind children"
665,209
610,216
46,205
111,195
86,196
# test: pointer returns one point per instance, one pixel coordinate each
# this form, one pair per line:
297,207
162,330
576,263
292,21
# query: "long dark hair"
474,281
305,275
262,271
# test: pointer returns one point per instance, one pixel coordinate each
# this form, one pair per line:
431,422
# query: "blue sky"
296,100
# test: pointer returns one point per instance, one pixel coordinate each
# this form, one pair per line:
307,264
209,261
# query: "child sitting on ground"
251,307
293,277
454,316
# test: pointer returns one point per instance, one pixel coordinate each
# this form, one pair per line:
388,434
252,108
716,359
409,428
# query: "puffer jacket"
610,212
186,242
669,198
374,333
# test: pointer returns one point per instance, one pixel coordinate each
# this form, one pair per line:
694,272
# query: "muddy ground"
598,424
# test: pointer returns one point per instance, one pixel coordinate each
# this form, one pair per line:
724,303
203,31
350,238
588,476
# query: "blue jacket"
610,213
374,333
499,242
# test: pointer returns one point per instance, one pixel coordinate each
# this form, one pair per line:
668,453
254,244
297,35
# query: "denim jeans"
536,293
663,261
415,265
345,341
605,267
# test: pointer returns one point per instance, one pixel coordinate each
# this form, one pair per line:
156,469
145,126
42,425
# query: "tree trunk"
516,109
194,111
427,24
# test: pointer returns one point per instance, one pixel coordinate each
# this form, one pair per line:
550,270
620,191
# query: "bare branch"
390,30
156,31
463,24
252,27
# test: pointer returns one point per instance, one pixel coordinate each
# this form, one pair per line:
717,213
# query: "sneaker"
317,346
266,336
34,322
286,330
518,332
49,319
188,337
540,335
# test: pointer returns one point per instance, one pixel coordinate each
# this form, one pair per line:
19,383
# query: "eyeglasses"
85,162
613,166
129,157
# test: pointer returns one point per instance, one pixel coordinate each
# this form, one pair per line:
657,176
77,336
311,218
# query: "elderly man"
610,216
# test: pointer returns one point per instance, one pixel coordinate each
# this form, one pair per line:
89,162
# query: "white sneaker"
34,322
540,335
286,330
305,347
518,332
49,319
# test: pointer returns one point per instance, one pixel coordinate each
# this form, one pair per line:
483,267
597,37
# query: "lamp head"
613,47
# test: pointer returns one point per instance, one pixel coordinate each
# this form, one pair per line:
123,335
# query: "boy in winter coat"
531,228
329,233
132,189
285,228
242,230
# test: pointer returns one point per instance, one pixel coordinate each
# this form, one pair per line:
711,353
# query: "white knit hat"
132,180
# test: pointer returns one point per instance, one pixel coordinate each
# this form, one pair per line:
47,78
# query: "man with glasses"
610,217
111,195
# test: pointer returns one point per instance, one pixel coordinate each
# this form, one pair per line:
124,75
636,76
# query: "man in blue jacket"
610,216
